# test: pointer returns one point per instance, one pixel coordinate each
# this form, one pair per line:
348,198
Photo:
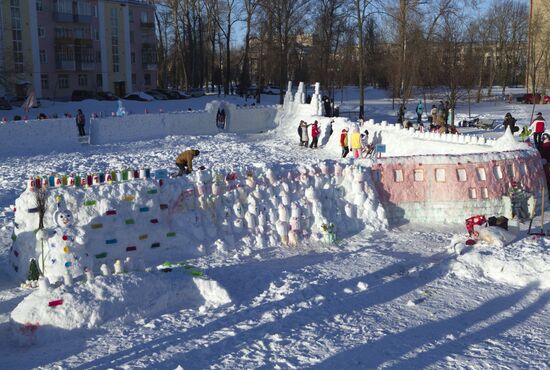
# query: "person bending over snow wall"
184,161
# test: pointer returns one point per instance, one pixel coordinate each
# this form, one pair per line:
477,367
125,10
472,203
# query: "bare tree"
286,16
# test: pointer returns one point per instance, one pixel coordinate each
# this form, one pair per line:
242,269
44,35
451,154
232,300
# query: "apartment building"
539,46
57,46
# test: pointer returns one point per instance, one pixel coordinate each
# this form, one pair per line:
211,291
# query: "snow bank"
190,216
129,296
517,264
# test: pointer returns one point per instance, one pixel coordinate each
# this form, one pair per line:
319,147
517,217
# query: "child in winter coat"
305,136
315,132
344,143
538,129
356,142
419,111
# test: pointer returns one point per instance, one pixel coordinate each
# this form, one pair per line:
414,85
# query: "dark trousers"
419,117
81,130
537,137
183,169
345,151
314,142
304,143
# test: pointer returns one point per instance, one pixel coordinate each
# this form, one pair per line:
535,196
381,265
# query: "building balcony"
65,65
63,17
80,18
86,66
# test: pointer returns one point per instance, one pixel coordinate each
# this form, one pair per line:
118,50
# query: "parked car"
139,96
106,95
182,94
546,100
170,94
4,105
271,90
195,92
528,98
156,95
79,95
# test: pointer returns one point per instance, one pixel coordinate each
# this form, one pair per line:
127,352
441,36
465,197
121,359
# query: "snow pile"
190,216
129,296
517,264
508,142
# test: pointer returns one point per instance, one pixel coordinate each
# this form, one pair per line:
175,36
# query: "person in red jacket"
538,129
315,132
344,143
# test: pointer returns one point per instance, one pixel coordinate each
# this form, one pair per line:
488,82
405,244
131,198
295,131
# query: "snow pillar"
288,95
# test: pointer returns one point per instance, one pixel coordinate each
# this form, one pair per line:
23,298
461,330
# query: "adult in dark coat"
80,122
510,121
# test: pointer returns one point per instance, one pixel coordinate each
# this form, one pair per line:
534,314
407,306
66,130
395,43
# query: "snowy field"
405,298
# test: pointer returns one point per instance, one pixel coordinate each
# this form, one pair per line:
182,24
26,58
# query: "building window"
82,80
484,193
497,171
63,81
133,57
44,81
472,193
99,81
418,175
461,174
398,175
147,78
39,5
98,56
41,32
481,175
17,38
43,59
134,82
144,18
64,6
131,15
439,175
132,37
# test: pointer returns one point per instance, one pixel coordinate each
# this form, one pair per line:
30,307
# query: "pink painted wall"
527,170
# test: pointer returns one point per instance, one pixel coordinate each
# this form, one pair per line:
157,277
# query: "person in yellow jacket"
184,161
356,142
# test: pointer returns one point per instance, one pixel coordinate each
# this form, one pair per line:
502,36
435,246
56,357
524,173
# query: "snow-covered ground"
407,298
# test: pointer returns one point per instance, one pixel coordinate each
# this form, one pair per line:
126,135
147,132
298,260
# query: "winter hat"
539,114
546,138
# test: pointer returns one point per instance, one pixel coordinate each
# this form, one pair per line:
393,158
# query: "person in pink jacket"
538,129
315,132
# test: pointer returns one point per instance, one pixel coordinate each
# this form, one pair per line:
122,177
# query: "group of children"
303,132
359,143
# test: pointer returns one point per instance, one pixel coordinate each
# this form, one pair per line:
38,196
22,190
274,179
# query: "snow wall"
38,136
155,126
44,136
194,215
